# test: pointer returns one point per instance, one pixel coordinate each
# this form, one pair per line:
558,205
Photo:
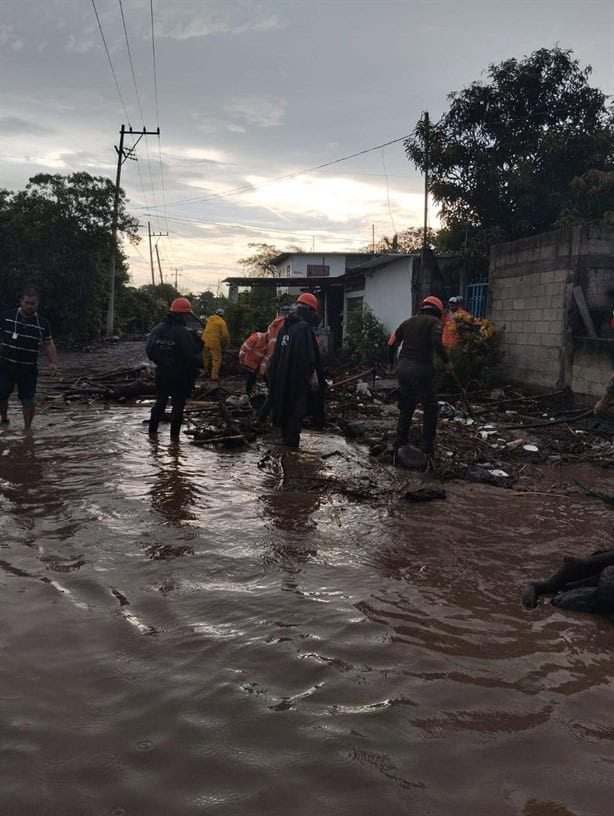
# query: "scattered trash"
515,443
363,389
530,448
446,411
499,473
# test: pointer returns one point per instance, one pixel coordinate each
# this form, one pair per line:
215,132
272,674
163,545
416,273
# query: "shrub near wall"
365,337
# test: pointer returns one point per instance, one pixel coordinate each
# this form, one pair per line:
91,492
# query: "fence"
475,298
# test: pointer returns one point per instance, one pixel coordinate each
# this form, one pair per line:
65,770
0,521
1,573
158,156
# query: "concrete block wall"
530,300
593,364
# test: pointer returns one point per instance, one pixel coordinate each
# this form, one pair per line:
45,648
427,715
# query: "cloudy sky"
249,91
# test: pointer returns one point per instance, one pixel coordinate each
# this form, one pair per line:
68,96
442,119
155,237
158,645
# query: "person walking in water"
421,339
216,338
22,333
295,369
177,353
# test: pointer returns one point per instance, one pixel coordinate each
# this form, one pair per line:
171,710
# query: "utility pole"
373,237
153,235
177,275
159,267
122,156
417,278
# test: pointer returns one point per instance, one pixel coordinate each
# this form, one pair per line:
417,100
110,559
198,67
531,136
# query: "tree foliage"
522,153
56,234
260,263
365,337
406,241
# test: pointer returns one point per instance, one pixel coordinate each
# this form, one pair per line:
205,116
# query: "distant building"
389,284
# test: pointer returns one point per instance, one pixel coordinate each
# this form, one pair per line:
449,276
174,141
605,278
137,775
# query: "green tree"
511,156
406,241
56,234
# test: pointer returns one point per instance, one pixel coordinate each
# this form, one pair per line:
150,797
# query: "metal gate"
475,298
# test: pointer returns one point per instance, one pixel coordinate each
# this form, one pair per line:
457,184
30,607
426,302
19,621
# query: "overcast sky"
251,90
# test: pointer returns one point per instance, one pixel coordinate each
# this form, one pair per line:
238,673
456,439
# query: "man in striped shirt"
22,333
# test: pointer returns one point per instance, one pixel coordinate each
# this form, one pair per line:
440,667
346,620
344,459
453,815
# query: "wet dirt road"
306,653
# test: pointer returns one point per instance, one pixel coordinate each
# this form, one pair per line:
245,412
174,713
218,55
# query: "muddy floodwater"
303,653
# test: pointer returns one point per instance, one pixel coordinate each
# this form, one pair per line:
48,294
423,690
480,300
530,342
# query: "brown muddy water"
314,654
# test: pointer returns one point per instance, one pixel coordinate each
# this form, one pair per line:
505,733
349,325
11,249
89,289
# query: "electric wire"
251,187
138,99
155,78
394,229
104,42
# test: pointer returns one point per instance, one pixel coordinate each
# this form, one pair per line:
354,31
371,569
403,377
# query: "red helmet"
181,305
309,300
431,300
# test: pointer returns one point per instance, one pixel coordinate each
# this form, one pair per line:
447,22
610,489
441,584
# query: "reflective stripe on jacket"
253,350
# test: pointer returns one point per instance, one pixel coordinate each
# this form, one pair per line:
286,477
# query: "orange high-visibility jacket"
271,333
253,350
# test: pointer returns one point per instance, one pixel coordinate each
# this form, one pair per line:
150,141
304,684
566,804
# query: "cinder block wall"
528,293
530,299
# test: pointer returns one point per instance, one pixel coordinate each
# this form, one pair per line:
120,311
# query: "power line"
252,187
251,228
104,42
138,98
155,77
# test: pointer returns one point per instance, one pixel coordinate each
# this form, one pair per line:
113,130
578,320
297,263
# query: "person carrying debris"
602,405
215,337
295,370
251,357
177,353
455,312
421,338
22,333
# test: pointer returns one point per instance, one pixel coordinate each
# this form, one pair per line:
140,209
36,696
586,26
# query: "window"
318,271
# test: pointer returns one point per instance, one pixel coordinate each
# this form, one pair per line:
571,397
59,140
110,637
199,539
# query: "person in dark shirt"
295,371
22,333
420,339
177,353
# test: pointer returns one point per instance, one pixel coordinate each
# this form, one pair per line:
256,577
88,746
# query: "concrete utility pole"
122,156
418,279
159,267
177,275
154,235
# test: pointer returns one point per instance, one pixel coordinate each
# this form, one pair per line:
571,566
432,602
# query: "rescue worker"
420,337
251,357
295,370
455,310
177,353
601,406
216,338
272,331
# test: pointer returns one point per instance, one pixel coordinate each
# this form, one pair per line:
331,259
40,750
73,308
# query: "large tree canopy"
57,235
528,150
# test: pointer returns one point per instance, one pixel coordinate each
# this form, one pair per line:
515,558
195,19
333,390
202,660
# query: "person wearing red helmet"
177,353
295,372
420,338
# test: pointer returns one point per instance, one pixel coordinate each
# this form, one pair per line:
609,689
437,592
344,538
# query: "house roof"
382,260
317,254
313,282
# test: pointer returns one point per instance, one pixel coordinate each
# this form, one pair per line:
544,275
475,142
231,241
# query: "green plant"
365,337
474,356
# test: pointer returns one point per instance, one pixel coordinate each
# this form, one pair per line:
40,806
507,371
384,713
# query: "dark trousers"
178,390
250,380
291,424
417,385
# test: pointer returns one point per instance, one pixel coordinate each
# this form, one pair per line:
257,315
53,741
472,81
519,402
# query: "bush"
476,353
365,337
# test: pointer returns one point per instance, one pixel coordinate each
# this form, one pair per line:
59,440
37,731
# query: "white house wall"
297,264
388,293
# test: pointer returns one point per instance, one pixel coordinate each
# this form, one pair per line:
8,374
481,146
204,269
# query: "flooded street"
303,653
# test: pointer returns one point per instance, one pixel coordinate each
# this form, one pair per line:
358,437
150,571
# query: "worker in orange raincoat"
455,310
215,337
251,358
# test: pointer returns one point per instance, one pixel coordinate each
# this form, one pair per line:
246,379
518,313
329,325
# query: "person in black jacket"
295,370
420,337
177,353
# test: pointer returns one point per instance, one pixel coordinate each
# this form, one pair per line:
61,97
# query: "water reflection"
172,492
